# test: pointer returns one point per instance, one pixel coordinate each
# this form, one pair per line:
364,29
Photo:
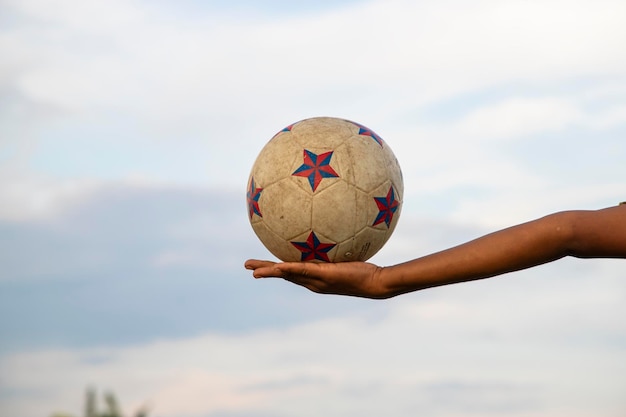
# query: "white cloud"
32,197
517,117
521,204
228,81
614,116
517,158
209,90
430,51
528,345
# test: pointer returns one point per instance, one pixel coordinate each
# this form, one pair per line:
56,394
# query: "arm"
584,234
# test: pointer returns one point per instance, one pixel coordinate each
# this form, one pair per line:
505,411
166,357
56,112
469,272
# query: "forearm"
583,234
577,233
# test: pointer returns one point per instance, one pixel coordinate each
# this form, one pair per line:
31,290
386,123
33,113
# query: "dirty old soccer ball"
325,189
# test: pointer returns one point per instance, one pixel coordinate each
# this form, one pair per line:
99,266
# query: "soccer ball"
326,190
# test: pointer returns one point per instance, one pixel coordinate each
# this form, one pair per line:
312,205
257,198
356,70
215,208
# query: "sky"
127,133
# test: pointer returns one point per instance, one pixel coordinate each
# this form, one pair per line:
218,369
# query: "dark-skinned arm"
582,234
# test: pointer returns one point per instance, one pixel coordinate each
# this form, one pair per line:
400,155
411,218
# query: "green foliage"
111,409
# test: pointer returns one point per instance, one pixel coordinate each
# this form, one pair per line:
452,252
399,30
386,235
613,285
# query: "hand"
345,278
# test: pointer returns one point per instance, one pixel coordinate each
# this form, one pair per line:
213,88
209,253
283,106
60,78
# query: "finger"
309,270
262,269
267,272
256,263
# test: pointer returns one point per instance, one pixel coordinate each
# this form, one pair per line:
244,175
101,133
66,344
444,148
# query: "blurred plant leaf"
112,407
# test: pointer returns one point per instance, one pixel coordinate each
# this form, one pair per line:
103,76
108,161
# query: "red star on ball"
368,132
387,206
313,249
253,196
315,168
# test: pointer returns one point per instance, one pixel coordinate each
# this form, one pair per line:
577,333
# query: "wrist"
388,284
